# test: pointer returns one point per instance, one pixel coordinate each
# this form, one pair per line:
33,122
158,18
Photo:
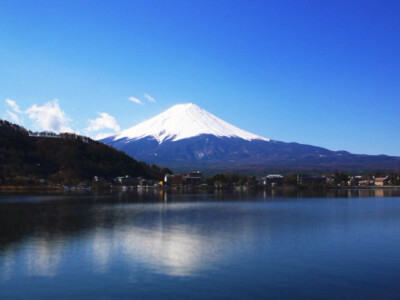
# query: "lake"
220,245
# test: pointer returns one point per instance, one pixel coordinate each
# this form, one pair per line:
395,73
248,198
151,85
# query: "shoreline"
189,189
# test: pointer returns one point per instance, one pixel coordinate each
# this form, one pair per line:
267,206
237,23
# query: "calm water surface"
333,245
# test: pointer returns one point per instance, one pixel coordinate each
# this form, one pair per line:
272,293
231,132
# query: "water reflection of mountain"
22,216
168,237
168,233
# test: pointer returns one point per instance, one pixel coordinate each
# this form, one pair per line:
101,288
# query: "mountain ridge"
234,151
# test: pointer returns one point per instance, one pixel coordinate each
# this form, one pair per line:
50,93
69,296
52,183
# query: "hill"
64,157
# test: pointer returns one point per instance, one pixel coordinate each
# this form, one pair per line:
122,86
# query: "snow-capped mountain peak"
183,121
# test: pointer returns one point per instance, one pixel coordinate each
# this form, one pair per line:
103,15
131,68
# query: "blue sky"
325,73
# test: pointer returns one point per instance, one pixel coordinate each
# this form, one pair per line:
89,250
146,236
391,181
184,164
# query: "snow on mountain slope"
184,121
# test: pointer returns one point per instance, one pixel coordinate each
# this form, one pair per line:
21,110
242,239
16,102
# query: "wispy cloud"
13,105
15,114
136,100
150,98
13,117
49,117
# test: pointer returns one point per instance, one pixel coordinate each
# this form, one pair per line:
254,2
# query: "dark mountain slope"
216,154
64,157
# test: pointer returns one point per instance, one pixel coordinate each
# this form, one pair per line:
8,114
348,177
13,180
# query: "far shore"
44,188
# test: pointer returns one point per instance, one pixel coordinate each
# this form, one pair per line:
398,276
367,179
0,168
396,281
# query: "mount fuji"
188,137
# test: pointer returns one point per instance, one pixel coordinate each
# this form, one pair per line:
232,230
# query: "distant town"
196,180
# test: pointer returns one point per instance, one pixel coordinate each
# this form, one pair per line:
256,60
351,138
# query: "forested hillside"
64,157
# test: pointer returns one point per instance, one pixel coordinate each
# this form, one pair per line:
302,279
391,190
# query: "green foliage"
290,180
394,179
66,158
339,177
229,179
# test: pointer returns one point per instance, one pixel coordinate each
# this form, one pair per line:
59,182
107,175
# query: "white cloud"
136,100
103,135
150,98
49,117
13,105
103,121
13,116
